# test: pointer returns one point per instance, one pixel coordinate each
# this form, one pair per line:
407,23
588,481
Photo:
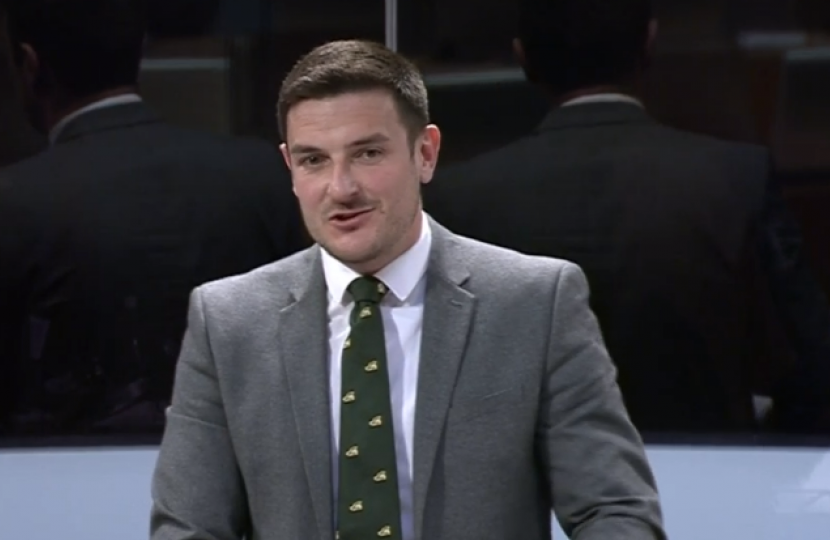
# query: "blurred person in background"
18,139
682,236
115,224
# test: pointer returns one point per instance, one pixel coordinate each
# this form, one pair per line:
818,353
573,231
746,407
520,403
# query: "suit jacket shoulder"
640,137
503,275
165,147
262,291
126,157
556,168
243,151
497,274
742,157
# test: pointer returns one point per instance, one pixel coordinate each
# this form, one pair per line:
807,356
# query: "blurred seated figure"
106,233
18,139
684,238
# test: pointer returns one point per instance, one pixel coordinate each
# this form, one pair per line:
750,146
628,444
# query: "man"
395,380
108,231
670,227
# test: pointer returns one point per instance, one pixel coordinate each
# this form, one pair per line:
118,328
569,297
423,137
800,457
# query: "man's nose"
342,184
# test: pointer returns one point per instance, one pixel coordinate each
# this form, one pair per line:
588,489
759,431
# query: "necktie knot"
367,289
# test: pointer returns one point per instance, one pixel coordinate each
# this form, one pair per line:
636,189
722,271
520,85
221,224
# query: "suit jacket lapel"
448,310
304,353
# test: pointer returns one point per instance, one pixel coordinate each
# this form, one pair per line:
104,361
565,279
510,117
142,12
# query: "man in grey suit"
395,380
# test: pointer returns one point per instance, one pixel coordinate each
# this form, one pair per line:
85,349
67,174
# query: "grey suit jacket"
518,409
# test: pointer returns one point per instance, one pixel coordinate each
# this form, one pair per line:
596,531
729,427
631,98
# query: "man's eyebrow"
304,149
375,138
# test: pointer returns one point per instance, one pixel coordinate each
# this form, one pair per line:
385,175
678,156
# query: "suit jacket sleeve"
198,493
600,482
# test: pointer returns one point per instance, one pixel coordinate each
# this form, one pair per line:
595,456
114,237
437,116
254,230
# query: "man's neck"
69,107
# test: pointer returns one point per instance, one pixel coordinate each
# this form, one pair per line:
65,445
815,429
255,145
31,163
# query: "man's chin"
358,258
350,257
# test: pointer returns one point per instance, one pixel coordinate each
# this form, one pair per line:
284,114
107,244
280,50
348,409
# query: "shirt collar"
401,276
608,97
123,99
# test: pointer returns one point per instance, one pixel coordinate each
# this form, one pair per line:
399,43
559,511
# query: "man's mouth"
349,216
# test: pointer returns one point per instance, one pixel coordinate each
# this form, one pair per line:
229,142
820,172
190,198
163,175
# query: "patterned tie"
368,504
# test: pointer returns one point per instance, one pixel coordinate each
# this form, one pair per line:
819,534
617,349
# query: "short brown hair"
341,67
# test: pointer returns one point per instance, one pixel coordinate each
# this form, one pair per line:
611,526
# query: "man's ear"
428,150
29,64
653,27
519,51
285,155
521,58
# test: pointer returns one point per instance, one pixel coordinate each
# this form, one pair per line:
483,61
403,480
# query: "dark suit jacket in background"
665,225
104,236
18,141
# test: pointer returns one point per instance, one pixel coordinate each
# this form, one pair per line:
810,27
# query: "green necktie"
368,505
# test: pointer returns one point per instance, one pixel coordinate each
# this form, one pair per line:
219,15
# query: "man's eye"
370,153
311,161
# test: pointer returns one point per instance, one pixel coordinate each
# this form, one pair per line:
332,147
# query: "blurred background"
746,70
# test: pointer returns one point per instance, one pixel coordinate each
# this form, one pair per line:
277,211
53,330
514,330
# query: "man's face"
357,175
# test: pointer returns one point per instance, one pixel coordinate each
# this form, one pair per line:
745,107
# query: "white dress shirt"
608,97
402,310
55,132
